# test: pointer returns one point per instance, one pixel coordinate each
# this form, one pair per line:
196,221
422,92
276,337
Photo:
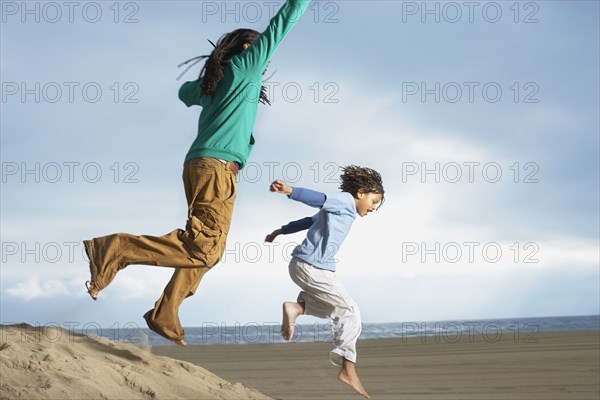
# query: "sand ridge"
54,363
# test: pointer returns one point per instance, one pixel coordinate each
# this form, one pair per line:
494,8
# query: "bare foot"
291,311
348,376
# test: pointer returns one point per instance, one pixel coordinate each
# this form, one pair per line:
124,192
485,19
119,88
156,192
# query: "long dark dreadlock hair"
228,45
366,180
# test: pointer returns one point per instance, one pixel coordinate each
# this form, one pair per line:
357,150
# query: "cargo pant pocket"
204,234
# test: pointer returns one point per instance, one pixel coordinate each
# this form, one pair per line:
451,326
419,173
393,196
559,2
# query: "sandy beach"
559,365
53,363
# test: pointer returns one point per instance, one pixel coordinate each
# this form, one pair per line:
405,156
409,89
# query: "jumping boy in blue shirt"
313,264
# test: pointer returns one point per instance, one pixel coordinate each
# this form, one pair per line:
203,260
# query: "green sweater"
227,119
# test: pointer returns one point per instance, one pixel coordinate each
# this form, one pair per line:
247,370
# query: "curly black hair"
356,179
228,45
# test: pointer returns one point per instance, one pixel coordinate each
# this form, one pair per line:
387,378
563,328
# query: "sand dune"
53,363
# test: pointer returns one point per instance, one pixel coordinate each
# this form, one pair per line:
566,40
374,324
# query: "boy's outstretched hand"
280,186
271,236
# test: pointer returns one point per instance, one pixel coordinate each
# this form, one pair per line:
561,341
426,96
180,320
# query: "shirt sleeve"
340,203
297,226
189,93
255,59
308,197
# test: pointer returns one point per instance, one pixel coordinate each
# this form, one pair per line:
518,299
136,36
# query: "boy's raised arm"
306,196
257,56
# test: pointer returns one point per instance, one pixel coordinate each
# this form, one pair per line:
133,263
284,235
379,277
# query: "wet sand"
549,365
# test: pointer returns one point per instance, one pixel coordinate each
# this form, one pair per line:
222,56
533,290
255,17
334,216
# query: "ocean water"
490,330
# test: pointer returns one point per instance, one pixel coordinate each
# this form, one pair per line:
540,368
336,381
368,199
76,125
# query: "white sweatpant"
325,297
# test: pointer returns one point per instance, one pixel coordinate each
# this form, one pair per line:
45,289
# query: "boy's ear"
246,45
360,194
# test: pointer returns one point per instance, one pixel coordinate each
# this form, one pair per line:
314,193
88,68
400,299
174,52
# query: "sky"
482,118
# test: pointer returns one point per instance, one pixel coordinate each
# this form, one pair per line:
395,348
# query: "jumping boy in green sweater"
228,90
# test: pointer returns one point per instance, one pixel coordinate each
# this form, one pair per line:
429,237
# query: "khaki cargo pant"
325,297
210,191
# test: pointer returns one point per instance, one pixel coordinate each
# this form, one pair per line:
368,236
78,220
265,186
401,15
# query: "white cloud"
35,288
142,282
572,251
